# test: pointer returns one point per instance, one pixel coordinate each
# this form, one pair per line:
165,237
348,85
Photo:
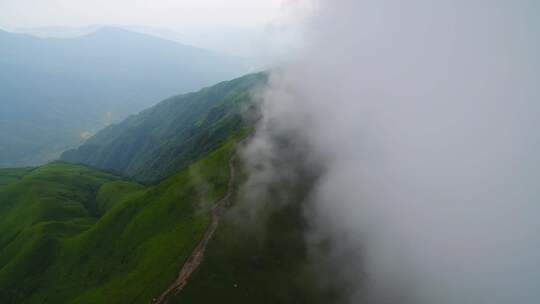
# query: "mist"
424,118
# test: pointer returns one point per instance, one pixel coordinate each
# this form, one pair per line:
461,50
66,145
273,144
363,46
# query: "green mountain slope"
165,138
259,252
8,176
71,234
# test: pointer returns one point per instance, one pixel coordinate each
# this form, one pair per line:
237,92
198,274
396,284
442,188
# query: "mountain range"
55,93
123,218
165,138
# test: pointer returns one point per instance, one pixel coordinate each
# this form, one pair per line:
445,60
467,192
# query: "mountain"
71,234
58,31
168,136
234,40
55,93
11,175
74,234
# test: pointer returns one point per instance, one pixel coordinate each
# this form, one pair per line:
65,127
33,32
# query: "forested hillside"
165,138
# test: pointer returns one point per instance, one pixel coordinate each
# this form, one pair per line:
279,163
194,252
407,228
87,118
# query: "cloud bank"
424,116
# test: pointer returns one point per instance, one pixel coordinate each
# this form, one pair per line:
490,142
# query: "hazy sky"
159,13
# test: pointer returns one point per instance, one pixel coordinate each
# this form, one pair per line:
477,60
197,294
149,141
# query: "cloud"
424,116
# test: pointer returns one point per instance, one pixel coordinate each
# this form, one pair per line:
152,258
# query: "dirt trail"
197,255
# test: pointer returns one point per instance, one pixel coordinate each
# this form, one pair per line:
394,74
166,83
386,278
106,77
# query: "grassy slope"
169,136
78,235
44,206
8,176
260,255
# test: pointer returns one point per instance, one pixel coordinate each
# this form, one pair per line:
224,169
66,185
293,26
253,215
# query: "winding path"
197,255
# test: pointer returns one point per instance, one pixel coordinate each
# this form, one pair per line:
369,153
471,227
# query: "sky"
246,28
157,13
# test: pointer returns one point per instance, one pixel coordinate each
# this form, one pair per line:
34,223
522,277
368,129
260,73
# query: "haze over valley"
57,92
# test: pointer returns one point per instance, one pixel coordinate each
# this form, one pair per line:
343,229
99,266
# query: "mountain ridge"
163,139
78,234
70,88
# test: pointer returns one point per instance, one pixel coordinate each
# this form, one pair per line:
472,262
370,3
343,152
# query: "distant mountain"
242,41
165,138
58,31
55,93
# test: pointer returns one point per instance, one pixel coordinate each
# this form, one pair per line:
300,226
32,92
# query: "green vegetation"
259,254
8,176
169,136
71,234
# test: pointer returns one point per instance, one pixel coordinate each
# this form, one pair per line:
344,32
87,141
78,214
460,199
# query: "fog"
424,116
